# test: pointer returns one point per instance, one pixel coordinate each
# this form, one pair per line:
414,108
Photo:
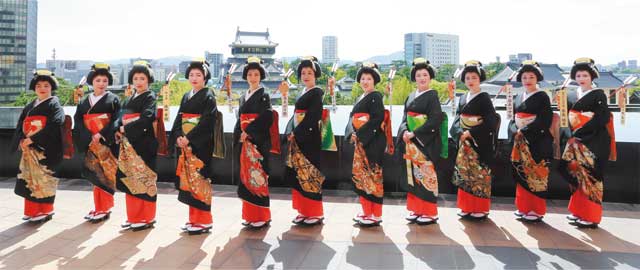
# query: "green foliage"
64,93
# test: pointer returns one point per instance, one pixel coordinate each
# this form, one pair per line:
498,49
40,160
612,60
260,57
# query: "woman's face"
43,89
366,82
253,77
423,79
308,77
100,84
529,80
140,81
196,79
472,80
583,78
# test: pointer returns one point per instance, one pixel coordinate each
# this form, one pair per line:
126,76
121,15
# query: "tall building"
329,49
18,44
439,49
517,59
216,60
632,64
70,70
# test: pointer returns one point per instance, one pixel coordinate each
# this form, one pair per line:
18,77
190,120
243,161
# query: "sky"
554,31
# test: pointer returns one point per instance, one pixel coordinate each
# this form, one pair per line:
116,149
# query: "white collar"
471,97
306,90
525,96
250,93
93,99
135,93
419,93
581,93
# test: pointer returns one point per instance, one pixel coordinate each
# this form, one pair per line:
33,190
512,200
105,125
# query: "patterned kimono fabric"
42,122
195,121
424,117
532,151
591,145
100,164
137,158
303,155
258,121
472,172
367,118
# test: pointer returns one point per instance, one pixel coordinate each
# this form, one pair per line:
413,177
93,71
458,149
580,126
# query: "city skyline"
184,30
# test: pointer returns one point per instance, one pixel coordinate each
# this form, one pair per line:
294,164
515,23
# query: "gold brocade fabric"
40,180
139,178
536,174
422,169
470,175
190,178
364,176
101,161
309,177
581,162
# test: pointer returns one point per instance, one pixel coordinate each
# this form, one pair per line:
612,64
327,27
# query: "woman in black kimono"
590,146
475,131
252,139
39,136
420,139
138,150
305,146
365,132
192,133
94,129
532,151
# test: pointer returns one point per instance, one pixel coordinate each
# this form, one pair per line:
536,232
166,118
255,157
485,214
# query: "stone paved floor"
67,242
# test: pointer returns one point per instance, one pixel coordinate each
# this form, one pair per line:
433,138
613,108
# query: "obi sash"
158,129
189,121
33,124
468,121
128,118
578,119
326,132
274,131
416,120
524,119
359,119
95,122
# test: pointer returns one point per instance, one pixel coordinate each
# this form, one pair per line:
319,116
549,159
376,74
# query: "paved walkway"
67,242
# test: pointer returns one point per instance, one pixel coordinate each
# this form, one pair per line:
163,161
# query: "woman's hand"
96,138
284,88
407,136
25,143
465,136
244,136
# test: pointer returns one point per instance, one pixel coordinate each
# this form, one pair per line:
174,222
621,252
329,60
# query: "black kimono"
424,117
472,172
201,106
304,125
366,119
108,104
48,140
140,134
591,136
533,117
254,118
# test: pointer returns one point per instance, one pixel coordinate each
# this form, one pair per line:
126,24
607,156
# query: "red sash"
33,124
95,122
274,132
578,119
